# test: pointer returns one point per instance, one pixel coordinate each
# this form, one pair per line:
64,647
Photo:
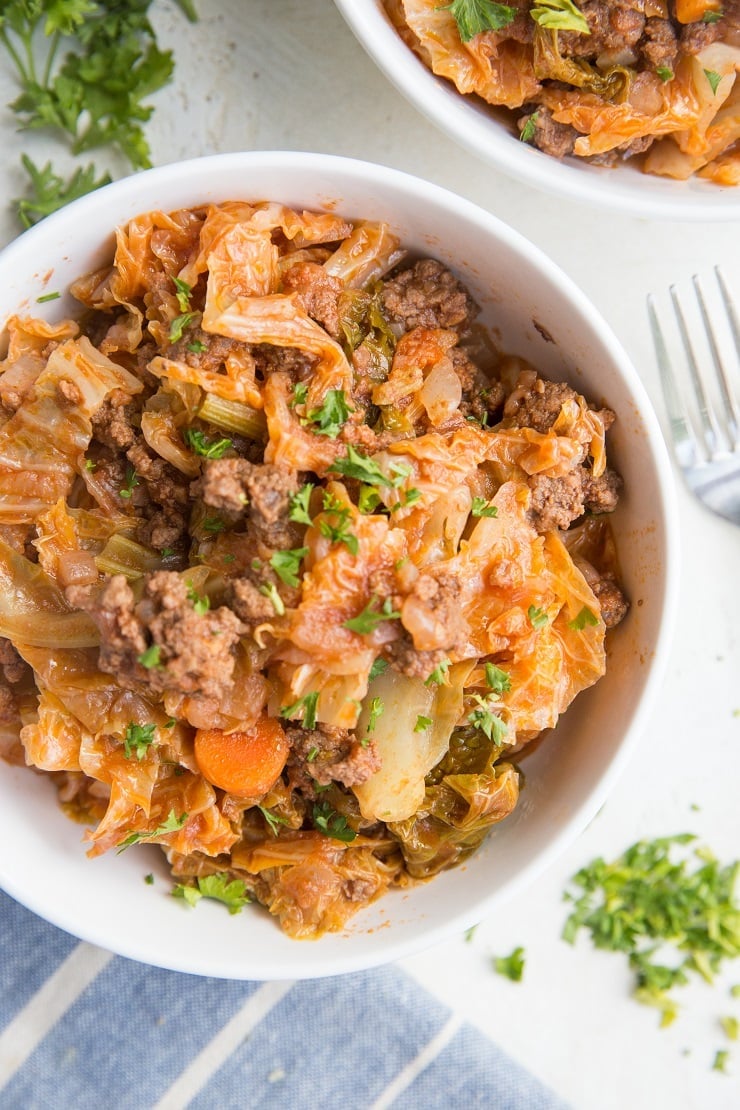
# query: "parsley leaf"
376,710
481,507
511,966
422,723
180,323
713,78
537,617
286,564
719,1063
274,820
439,674
150,657
712,17
332,823
530,127
330,416
665,73
560,15
132,480
270,591
221,888
584,617
182,292
497,679
137,739
361,466
484,718
338,532
171,824
299,503
369,619
308,704
201,602
379,666
474,16
204,445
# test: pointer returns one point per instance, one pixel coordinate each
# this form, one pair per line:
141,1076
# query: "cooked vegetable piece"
245,763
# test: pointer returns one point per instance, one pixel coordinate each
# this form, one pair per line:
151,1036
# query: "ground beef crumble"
328,754
428,295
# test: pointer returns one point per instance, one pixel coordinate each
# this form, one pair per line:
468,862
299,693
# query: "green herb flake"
485,718
197,347
438,677
338,531
713,78
498,680
182,292
331,416
304,709
48,297
220,887
180,323
470,933
270,591
206,446
274,820
527,134
376,711
510,966
665,73
172,824
364,469
475,16
712,17
132,481
90,464
537,617
560,15
137,739
369,619
368,499
201,602
422,723
585,617
735,990
311,756
150,657
149,879
721,1058
379,666
299,502
300,394
334,824
213,525
286,564
731,1026
481,507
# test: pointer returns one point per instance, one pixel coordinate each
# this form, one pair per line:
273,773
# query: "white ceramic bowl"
490,134
524,296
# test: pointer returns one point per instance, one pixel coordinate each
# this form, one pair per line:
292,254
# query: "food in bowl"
294,562
649,80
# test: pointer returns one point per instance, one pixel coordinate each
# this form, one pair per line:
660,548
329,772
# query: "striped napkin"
81,1028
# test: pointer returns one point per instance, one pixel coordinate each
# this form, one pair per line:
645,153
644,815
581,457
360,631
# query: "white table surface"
287,74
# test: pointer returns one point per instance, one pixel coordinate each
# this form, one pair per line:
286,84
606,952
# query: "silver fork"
699,361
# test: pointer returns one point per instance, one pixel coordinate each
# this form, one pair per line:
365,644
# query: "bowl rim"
463,120
201,176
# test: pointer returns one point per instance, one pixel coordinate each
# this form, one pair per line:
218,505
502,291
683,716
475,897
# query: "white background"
287,74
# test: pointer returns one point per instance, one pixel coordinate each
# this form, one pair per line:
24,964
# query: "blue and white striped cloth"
81,1028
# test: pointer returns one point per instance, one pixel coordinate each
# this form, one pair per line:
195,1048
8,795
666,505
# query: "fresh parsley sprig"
474,16
220,887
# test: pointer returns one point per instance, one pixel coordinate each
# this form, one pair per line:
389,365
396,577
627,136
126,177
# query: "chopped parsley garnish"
274,820
484,718
183,291
170,722
526,136
474,16
339,531
481,507
713,78
270,591
204,445
132,480
665,73
300,394
731,1027
149,879
376,711
560,15
497,679
649,901
585,617
310,757
286,564
48,297
171,824
422,723
180,323
511,966
369,619
332,823
150,657
220,887
197,347
360,466
470,933
719,1063
379,666
303,709
537,617
213,524
299,502
439,674
201,602
712,17
90,464
368,499
330,417
137,739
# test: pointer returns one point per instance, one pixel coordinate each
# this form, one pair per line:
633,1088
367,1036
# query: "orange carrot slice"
246,763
